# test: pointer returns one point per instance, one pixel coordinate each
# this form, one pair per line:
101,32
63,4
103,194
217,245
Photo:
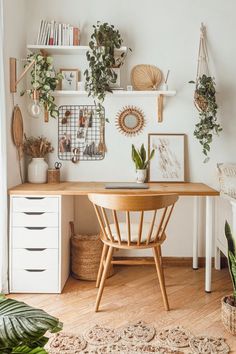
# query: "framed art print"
167,164
69,82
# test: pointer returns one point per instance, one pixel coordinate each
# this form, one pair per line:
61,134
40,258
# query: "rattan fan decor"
18,134
146,77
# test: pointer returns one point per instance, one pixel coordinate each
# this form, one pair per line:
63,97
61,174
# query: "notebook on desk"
124,185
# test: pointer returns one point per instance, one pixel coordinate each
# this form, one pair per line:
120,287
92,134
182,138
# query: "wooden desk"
182,189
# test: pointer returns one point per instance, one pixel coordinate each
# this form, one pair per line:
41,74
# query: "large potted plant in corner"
102,59
139,157
228,303
23,328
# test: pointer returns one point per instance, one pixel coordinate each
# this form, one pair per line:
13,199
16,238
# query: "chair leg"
103,257
104,274
160,254
161,278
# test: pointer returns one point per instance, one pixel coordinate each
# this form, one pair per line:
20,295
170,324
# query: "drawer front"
35,237
35,219
36,203
32,281
35,258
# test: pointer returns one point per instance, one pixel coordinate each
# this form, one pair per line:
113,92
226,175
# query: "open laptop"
126,185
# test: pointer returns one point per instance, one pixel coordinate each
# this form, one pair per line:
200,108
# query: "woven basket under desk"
86,251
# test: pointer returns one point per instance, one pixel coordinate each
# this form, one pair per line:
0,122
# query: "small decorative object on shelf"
54,33
146,77
130,121
103,58
168,163
228,303
139,157
164,86
70,78
37,148
44,82
205,99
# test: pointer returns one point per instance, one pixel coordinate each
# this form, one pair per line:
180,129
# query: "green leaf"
21,324
27,350
230,240
137,158
231,256
143,153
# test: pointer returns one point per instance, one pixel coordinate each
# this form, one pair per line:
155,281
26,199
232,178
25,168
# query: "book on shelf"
55,33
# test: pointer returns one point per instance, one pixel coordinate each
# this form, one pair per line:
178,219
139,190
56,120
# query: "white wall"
14,46
165,34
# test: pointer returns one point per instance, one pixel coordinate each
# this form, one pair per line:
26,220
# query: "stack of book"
54,33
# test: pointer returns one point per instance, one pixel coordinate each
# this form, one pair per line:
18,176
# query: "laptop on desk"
126,185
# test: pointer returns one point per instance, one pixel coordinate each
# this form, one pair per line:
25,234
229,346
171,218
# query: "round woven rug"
136,338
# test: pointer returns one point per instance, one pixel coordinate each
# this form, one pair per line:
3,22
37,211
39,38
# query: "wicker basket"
228,316
86,251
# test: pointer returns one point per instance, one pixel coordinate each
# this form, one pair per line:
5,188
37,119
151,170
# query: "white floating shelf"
64,50
118,93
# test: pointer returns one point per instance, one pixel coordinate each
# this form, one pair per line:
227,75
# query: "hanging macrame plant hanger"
202,69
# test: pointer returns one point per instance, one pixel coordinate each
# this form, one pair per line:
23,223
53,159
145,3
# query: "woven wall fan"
146,77
18,135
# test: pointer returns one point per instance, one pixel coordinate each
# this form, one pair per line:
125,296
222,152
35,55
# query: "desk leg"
195,232
209,238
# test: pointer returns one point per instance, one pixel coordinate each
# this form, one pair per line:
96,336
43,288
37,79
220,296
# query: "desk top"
84,188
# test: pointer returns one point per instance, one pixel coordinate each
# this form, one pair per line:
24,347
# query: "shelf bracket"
160,101
13,74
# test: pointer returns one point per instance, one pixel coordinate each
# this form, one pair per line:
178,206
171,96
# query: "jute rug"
136,338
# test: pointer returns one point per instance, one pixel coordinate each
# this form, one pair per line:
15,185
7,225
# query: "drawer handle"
35,249
35,270
33,213
35,227
34,198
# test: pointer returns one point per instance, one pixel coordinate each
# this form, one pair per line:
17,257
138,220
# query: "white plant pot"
37,170
141,176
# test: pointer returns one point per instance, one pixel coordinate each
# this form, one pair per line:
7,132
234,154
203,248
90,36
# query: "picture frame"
168,163
70,79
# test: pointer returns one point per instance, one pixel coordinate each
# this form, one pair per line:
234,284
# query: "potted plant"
23,327
37,148
228,303
44,81
102,59
205,102
139,156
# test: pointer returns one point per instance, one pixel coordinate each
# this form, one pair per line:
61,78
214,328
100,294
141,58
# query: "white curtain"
3,170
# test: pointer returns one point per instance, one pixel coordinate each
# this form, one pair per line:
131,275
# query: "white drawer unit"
39,243
35,237
35,219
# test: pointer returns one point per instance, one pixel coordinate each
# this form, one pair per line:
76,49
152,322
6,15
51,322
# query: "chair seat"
134,231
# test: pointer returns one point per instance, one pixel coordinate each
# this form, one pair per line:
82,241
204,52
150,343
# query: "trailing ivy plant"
101,57
205,101
44,79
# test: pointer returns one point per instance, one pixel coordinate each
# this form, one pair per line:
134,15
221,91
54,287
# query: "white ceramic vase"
37,170
141,176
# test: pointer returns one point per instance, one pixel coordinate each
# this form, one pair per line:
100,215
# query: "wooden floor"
133,294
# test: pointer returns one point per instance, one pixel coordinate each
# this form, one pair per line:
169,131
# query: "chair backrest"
133,203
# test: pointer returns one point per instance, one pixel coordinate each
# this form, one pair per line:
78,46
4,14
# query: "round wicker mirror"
130,120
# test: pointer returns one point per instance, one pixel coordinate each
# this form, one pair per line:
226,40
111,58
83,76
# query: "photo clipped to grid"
80,133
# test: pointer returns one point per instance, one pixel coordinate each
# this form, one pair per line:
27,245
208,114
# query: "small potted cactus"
228,303
139,156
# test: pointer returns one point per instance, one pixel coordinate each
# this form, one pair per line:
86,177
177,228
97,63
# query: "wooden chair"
126,235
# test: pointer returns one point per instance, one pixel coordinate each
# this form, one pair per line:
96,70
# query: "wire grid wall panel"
80,130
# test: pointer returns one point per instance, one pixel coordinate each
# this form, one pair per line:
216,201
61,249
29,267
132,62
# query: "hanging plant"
205,101
44,80
102,60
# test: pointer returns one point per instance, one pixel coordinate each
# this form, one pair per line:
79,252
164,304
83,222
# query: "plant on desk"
37,148
229,302
23,327
139,156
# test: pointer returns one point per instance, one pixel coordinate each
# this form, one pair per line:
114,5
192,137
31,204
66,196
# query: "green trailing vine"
102,59
205,101
44,79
